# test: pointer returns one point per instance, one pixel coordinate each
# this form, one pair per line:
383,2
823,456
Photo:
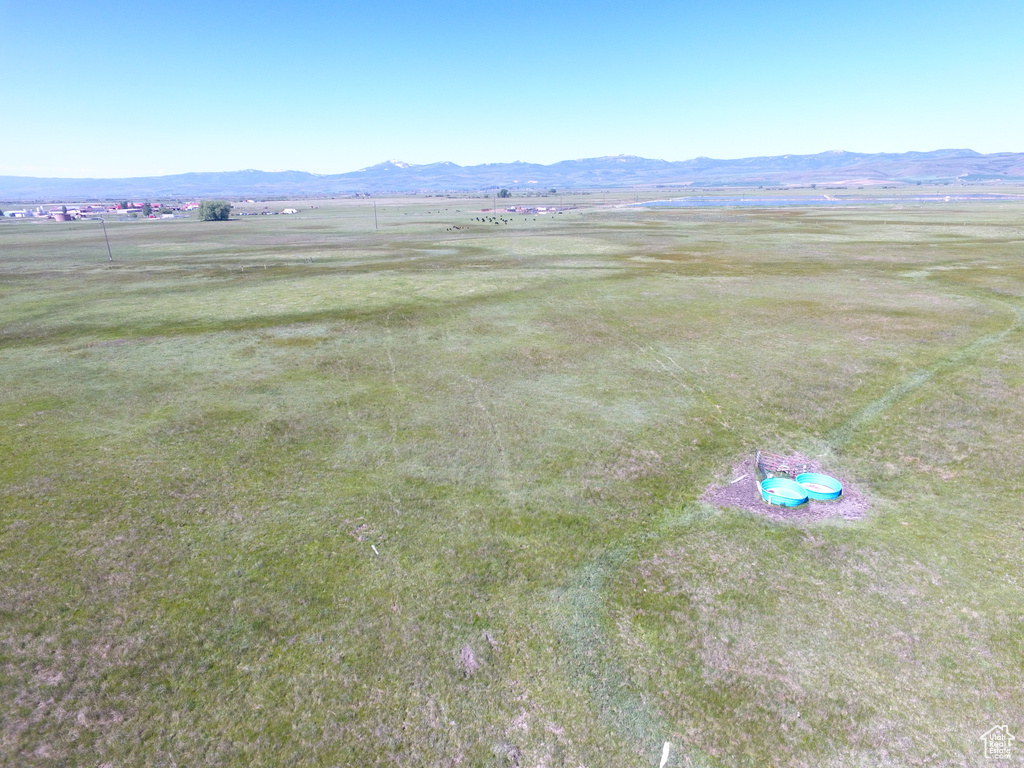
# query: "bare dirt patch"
467,661
741,491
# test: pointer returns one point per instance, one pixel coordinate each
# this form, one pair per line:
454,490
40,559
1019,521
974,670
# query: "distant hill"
839,167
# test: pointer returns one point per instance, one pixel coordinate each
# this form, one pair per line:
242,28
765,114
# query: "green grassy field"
295,491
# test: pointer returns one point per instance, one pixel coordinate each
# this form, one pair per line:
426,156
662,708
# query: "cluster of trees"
506,193
147,209
214,210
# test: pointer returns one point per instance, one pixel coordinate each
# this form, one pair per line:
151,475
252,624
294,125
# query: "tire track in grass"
508,487
839,436
401,401
579,615
629,333
400,395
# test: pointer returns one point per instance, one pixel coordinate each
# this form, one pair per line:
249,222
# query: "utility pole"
104,225
375,228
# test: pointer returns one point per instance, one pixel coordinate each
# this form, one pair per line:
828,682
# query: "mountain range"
834,168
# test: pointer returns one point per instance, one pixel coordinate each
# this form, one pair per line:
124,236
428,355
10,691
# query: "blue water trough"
820,487
783,492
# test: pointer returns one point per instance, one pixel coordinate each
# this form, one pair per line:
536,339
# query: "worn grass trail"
579,614
840,435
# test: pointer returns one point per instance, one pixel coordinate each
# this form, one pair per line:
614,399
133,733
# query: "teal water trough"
783,492
820,487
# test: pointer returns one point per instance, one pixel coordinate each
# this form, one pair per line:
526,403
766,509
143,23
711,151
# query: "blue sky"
125,89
